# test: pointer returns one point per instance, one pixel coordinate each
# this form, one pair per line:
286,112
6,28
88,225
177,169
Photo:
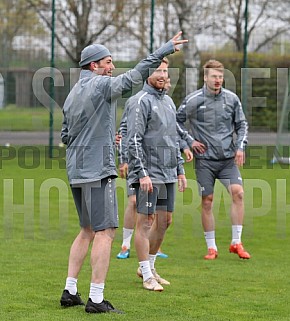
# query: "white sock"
146,271
152,259
237,233
210,240
71,285
97,292
127,236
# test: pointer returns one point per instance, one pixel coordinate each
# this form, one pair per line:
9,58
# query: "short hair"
213,64
165,60
87,66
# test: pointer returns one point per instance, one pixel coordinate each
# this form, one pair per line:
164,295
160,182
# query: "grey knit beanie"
93,52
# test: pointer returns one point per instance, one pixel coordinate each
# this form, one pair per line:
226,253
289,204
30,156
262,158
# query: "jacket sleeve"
180,160
115,87
122,148
241,126
180,123
64,131
136,127
182,144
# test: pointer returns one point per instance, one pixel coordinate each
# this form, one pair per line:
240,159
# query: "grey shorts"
162,198
207,171
96,204
130,190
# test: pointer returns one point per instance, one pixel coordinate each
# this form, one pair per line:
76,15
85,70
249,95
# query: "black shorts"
207,171
130,190
162,198
96,204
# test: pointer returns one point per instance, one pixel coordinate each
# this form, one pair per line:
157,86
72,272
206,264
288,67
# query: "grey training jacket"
215,120
122,149
152,143
89,119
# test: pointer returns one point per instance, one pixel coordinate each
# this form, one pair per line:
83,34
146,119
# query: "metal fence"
129,28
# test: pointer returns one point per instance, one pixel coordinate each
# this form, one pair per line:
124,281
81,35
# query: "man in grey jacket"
89,132
130,211
215,115
155,163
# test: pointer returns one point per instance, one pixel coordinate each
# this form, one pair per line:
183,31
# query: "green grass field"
28,119
33,119
34,250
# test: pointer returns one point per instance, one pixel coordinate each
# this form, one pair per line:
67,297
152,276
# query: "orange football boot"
212,254
239,249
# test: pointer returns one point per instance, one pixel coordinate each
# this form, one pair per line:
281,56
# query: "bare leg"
100,254
142,234
78,251
208,223
130,213
162,221
237,208
207,217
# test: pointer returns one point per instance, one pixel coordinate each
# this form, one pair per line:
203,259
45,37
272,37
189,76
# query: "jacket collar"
153,91
207,93
87,74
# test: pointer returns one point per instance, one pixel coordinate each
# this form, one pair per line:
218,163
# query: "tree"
79,23
266,17
192,18
16,19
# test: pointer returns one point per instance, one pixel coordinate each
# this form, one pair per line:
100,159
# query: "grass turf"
33,119
34,250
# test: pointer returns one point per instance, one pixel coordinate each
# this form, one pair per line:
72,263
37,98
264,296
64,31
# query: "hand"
123,169
177,42
198,147
182,183
188,155
146,184
240,158
118,138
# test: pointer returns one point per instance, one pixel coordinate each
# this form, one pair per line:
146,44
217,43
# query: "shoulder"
141,97
231,95
136,99
195,94
168,99
193,98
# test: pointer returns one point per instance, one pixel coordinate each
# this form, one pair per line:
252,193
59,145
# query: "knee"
238,197
207,202
87,233
238,194
144,222
132,202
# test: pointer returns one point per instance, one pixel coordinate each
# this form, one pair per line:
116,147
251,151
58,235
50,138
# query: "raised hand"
176,41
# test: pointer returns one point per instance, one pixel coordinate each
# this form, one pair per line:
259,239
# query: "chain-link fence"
130,29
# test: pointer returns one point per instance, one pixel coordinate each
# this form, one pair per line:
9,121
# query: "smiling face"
159,77
103,67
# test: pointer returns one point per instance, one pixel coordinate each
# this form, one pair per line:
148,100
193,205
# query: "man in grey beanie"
93,52
89,132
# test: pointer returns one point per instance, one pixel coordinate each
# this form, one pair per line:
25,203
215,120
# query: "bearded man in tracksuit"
215,115
89,133
155,164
